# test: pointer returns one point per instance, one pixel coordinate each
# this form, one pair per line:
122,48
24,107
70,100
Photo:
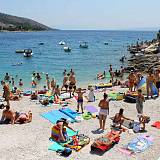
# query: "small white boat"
67,49
83,45
27,53
62,43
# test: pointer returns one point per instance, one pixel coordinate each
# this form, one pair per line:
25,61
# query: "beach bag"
136,127
65,153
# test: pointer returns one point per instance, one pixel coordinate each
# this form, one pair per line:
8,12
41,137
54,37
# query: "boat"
62,43
27,53
19,51
83,45
41,43
67,49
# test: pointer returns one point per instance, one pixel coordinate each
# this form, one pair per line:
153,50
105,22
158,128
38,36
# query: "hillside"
14,23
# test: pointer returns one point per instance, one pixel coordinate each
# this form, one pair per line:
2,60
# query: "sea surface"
51,58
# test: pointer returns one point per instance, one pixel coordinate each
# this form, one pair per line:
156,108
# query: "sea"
50,58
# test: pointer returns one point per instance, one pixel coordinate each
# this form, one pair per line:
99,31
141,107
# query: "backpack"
136,127
65,153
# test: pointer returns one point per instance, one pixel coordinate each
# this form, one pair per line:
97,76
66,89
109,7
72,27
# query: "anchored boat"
27,53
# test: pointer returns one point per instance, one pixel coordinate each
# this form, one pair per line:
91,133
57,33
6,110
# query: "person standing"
157,76
139,102
132,80
80,99
6,92
72,84
104,111
48,81
53,85
149,83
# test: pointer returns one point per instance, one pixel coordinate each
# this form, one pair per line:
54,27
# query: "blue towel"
55,115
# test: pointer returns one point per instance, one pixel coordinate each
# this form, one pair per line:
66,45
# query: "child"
80,99
20,82
139,102
13,82
34,84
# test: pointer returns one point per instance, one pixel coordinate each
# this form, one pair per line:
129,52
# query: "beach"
31,141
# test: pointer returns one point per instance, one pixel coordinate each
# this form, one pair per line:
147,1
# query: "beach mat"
140,143
59,146
72,114
156,124
91,109
55,115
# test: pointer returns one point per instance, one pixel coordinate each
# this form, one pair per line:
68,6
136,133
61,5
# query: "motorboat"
41,43
83,45
27,53
62,43
67,49
19,51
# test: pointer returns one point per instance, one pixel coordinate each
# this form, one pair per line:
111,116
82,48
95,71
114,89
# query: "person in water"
80,99
119,119
13,82
48,81
20,82
6,92
139,102
58,132
64,72
104,111
38,76
151,80
7,77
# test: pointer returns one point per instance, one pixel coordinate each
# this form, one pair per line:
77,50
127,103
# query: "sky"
88,14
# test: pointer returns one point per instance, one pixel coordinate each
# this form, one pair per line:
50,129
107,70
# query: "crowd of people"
69,86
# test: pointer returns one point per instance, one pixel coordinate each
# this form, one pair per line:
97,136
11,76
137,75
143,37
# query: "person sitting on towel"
119,119
58,132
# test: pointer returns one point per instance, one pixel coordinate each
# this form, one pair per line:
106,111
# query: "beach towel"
156,124
91,109
140,144
60,146
106,142
55,115
72,114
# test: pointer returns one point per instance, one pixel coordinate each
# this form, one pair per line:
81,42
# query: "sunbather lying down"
9,115
107,141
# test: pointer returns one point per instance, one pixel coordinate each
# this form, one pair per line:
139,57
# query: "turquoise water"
50,57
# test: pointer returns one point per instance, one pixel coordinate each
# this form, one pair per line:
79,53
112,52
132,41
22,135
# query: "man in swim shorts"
80,99
104,111
132,80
